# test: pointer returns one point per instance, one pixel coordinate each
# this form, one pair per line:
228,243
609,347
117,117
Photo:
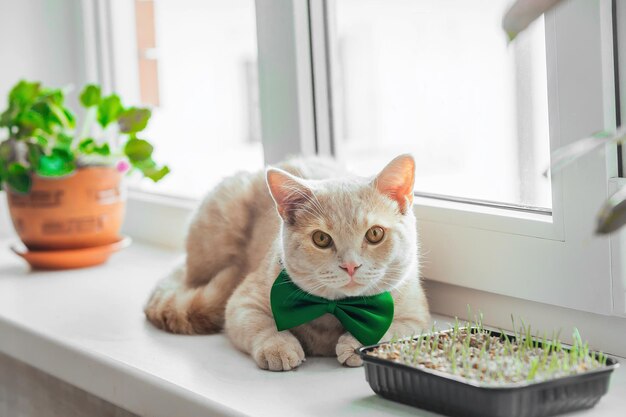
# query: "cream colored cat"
313,220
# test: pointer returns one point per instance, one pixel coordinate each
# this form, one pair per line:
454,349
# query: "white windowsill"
86,327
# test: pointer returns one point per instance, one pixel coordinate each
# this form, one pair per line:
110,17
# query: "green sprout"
471,351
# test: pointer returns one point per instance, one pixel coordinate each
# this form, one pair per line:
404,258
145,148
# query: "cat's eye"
321,239
375,234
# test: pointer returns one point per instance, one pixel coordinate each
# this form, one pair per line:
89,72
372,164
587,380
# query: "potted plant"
472,371
64,186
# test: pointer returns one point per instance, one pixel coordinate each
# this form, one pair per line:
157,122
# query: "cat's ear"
396,181
289,192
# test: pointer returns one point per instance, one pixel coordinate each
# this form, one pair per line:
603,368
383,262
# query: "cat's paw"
346,354
280,352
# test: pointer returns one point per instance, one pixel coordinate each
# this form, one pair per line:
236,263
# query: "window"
437,79
357,79
195,63
487,218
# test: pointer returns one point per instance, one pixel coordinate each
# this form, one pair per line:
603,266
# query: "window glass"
196,64
438,79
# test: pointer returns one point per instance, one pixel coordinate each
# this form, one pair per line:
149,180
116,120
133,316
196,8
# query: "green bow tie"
366,318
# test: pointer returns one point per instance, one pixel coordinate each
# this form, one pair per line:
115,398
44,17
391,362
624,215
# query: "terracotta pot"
81,210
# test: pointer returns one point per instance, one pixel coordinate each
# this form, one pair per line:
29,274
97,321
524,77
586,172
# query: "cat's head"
348,237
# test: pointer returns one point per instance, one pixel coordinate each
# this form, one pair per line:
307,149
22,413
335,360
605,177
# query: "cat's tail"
177,308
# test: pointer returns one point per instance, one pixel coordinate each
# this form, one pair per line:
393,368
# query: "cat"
311,218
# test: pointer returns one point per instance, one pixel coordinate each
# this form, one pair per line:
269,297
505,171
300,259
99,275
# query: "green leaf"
18,177
134,119
89,146
86,145
29,121
109,110
91,95
54,115
41,140
157,174
58,163
43,110
6,150
59,113
71,118
35,152
103,149
7,118
53,95
63,141
150,170
138,150
24,93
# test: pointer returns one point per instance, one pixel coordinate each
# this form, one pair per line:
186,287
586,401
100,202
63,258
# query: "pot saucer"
70,258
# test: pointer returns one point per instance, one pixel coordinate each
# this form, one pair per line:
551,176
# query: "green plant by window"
43,138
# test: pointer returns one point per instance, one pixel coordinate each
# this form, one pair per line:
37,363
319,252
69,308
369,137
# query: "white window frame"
491,257
581,101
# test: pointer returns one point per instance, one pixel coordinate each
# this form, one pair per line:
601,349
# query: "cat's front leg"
277,351
251,328
346,350
255,333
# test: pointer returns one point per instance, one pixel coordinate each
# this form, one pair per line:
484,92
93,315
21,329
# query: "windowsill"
86,327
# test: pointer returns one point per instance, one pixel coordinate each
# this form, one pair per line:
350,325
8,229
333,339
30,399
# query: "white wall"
39,40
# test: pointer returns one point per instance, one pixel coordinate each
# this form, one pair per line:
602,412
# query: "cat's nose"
349,267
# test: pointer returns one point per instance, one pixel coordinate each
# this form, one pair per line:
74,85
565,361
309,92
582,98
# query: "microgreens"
470,351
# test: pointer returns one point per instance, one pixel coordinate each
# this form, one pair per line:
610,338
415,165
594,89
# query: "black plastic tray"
455,396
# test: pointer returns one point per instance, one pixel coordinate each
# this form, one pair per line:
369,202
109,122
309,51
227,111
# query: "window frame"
457,235
538,254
